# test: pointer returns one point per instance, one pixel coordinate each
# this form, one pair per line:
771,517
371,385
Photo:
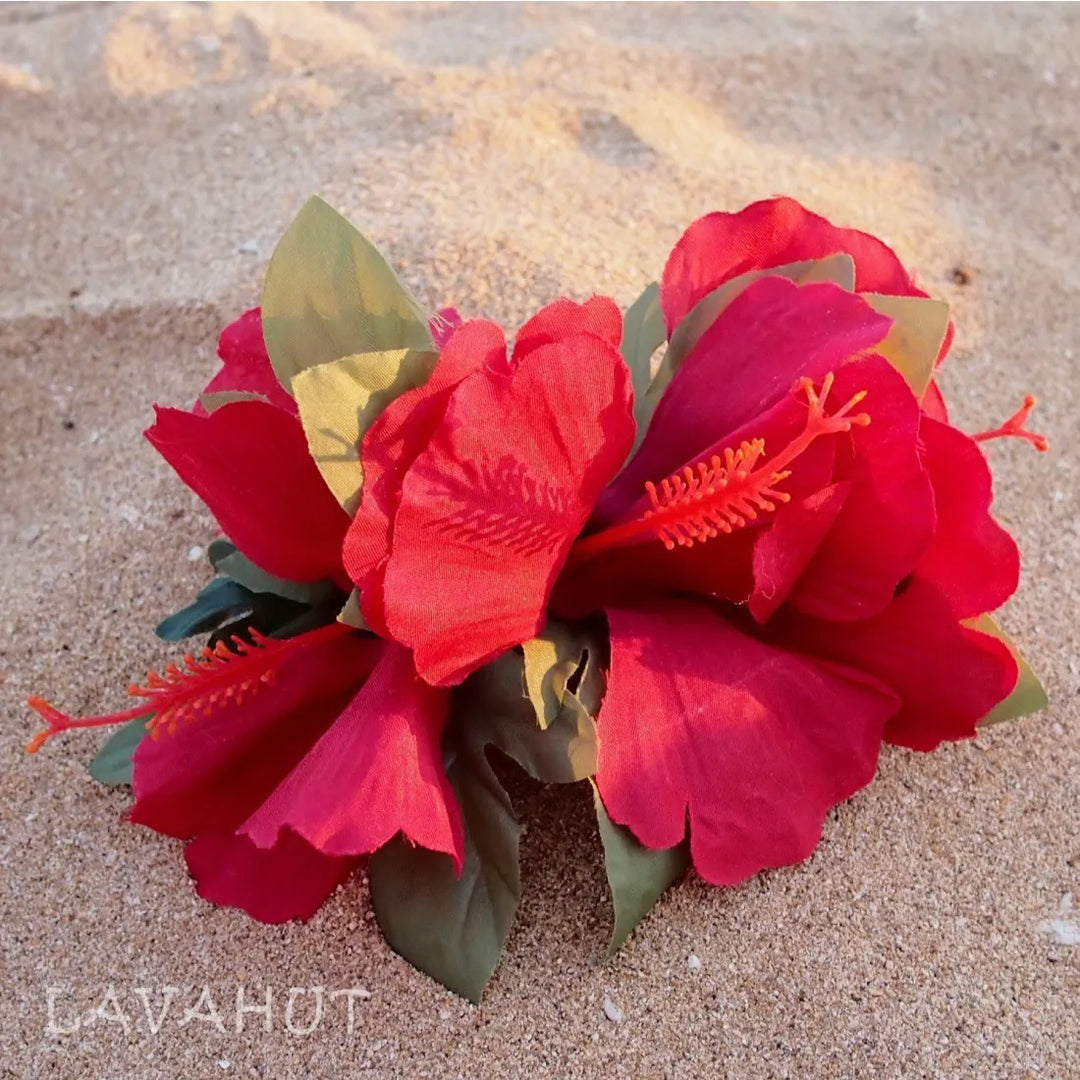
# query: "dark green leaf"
1028,696
329,293
644,331
221,601
637,875
454,928
112,765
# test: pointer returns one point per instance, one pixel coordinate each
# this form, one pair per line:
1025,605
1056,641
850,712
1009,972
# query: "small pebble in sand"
612,1011
693,962
248,247
195,554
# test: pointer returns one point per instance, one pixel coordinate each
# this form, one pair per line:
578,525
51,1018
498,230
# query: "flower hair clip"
706,556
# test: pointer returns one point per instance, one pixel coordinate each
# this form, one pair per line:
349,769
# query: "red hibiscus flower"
787,565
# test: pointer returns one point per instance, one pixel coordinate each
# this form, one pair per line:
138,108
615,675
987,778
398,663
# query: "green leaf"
491,710
219,602
216,398
561,652
454,928
644,331
225,559
112,765
637,875
340,400
913,343
1028,696
329,293
839,269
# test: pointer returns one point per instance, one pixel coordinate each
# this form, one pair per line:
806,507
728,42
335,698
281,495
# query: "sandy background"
149,157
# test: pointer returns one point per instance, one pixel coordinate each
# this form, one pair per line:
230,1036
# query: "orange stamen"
1014,428
216,677
724,493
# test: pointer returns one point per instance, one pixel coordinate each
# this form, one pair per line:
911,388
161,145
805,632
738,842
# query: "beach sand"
149,158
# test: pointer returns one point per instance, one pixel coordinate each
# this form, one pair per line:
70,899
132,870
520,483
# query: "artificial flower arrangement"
710,580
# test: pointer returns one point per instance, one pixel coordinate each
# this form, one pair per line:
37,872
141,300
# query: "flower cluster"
707,556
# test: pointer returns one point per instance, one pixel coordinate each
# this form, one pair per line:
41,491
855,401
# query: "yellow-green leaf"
329,293
839,269
351,615
216,398
1028,696
644,331
913,343
341,399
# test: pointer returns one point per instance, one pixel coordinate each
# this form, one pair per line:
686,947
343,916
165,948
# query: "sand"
150,156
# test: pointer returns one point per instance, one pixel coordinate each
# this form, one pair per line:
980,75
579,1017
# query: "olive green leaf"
637,875
454,928
839,269
351,613
216,398
913,343
225,559
341,399
644,331
329,293
112,765
491,710
1028,696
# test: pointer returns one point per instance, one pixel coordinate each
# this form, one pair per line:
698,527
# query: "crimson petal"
213,772
948,675
888,517
755,744
392,444
246,364
772,232
249,462
291,880
769,336
972,559
377,771
490,508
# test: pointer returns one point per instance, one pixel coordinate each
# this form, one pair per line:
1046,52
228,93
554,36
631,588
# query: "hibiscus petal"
948,675
598,316
888,518
770,233
745,363
291,880
490,508
249,462
754,743
973,561
246,364
377,771
784,550
212,773
392,445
